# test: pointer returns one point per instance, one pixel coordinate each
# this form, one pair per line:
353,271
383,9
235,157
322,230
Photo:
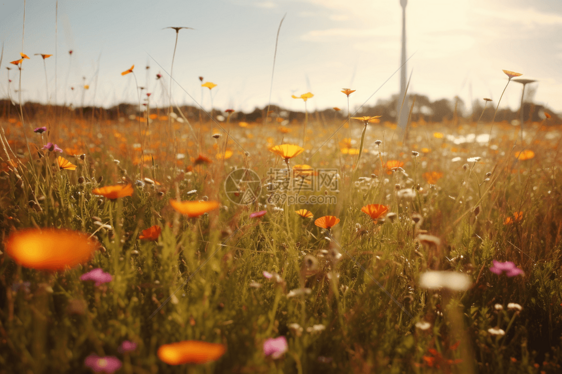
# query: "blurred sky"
460,47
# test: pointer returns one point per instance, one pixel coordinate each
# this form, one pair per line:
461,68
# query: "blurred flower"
496,331
393,165
508,267
524,155
299,292
304,213
438,135
190,352
128,346
517,217
128,70
40,130
287,151
347,91
452,280
423,325
52,147
114,192
327,222
23,55
498,307
432,177
375,211
107,364
98,276
511,74
194,208
304,96
50,249
473,159
296,328
514,306
209,85
406,193
64,164
259,214
368,119
201,160
275,347
43,55
151,233
17,62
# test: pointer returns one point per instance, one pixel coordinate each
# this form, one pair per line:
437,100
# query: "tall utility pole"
402,110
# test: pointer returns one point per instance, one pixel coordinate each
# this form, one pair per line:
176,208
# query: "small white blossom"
299,292
423,325
514,306
498,307
496,331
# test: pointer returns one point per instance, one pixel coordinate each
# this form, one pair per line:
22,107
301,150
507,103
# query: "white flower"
296,328
254,284
498,307
452,280
473,159
496,331
316,328
191,192
423,325
456,159
406,193
514,306
299,292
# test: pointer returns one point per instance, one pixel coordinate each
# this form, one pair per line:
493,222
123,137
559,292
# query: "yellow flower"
287,151
304,96
525,155
512,74
304,213
347,91
368,119
437,135
209,85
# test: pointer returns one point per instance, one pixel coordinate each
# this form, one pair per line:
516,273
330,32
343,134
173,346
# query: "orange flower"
375,211
525,155
368,119
304,213
511,74
44,55
50,249
548,116
114,192
393,165
437,135
128,71
23,55
347,91
287,151
224,156
336,109
209,85
194,208
303,170
327,222
201,160
432,177
517,217
64,164
304,96
151,233
17,62
190,352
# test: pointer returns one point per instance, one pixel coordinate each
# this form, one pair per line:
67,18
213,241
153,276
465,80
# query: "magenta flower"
275,347
98,276
128,346
52,147
267,274
261,213
40,130
108,364
508,267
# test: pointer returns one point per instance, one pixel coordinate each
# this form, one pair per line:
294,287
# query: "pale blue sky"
325,45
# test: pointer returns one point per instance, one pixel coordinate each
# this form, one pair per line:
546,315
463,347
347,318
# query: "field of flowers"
154,243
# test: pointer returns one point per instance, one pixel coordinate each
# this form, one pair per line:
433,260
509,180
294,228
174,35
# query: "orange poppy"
201,160
64,164
304,96
23,55
151,233
287,151
304,213
128,71
114,192
327,222
50,249
209,85
517,217
432,177
524,155
393,165
17,62
548,116
45,56
194,208
336,109
511,74
190,352
347,91
375,211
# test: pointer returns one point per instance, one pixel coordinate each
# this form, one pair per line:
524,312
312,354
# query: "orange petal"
190,352
194,208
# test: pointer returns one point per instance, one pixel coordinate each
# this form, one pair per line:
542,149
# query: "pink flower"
128,346
268,275
98,276
508,267
261,213
108,364
40,130
275,347
52,147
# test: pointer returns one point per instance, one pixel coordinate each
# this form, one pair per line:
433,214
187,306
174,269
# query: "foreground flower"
128,71
259,214
517,217
50,249
194,208
209,85
304,213
201,159
64,164
452,280
151,233
368,119
114,192
375,211
327,222
304,96
275,347
524,155
108,364
287,151
393,165
40,130
190,352
52,147
508,267
98,276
